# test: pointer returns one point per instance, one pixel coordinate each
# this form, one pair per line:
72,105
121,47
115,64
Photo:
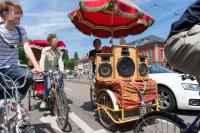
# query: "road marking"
52,121
78,121
86,128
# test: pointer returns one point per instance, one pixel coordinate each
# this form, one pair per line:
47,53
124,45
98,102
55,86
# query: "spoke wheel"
62,109
160,122
105,100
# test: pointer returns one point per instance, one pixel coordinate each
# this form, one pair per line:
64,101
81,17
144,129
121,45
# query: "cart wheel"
104,99
93,97
29,100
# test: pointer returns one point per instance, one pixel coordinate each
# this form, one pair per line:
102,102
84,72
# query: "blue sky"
42,17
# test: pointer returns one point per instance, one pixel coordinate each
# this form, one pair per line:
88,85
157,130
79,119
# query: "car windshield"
155,68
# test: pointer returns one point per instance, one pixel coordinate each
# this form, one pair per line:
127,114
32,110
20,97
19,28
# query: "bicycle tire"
149,121
62,98
28,129
29,100
104,99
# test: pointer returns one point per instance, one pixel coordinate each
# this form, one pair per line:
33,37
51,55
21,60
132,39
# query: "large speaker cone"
143,69
105,70
125,67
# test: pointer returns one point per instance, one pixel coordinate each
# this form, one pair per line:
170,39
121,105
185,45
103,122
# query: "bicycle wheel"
93,97
62,109
29,100
23,127
28,129
160,122
104,99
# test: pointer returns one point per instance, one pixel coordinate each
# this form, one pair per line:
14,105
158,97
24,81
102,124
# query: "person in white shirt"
51,58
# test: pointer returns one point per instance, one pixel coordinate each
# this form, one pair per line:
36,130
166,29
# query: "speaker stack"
122,64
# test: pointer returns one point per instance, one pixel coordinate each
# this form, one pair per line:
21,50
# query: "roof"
152,39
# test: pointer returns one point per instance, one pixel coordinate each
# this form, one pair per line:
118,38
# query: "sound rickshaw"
121,89
57,100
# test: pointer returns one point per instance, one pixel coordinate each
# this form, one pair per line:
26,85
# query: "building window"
149,53
161,53
142,53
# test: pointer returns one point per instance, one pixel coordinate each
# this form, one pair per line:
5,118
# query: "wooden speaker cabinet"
125,58
104,66
142,67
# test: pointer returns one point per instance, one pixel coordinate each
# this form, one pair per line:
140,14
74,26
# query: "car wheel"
167,101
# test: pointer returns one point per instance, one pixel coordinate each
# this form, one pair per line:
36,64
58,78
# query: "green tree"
66,59
70,63
67,55
22,56
76,55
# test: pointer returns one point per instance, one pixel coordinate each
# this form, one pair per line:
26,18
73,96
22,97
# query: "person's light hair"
6,6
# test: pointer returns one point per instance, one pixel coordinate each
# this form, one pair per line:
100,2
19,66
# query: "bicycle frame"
5,113
122,111
194,127
18,114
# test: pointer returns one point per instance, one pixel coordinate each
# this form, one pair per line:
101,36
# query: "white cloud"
42,29
45,23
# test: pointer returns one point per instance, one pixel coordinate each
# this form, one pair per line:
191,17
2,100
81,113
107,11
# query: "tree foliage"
76,55
22,56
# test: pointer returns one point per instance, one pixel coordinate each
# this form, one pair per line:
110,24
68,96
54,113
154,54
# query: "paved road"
82,115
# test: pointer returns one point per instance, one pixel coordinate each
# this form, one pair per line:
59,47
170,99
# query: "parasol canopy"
40,44
110,18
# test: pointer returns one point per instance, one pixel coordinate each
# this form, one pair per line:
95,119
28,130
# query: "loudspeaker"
124,62
142,67
104,66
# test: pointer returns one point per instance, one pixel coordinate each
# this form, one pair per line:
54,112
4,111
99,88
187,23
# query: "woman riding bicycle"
11,34
51,58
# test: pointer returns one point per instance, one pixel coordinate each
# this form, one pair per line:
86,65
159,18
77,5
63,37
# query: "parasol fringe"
93,9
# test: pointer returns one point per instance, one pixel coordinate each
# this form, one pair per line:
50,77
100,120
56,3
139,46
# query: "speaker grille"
125,67
105,70
143,69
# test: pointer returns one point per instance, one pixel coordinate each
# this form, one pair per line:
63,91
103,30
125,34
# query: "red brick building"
151,46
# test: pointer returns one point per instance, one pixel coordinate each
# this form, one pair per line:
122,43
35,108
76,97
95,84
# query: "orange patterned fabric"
127,93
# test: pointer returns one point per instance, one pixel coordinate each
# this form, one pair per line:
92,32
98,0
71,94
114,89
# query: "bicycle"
57,101
62,109
20,117
158,122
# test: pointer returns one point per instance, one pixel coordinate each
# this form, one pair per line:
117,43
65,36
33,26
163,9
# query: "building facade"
82,67
151,46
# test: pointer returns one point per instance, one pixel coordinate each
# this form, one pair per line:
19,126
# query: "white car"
174,92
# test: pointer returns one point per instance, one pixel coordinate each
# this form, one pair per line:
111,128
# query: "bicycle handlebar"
14,82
